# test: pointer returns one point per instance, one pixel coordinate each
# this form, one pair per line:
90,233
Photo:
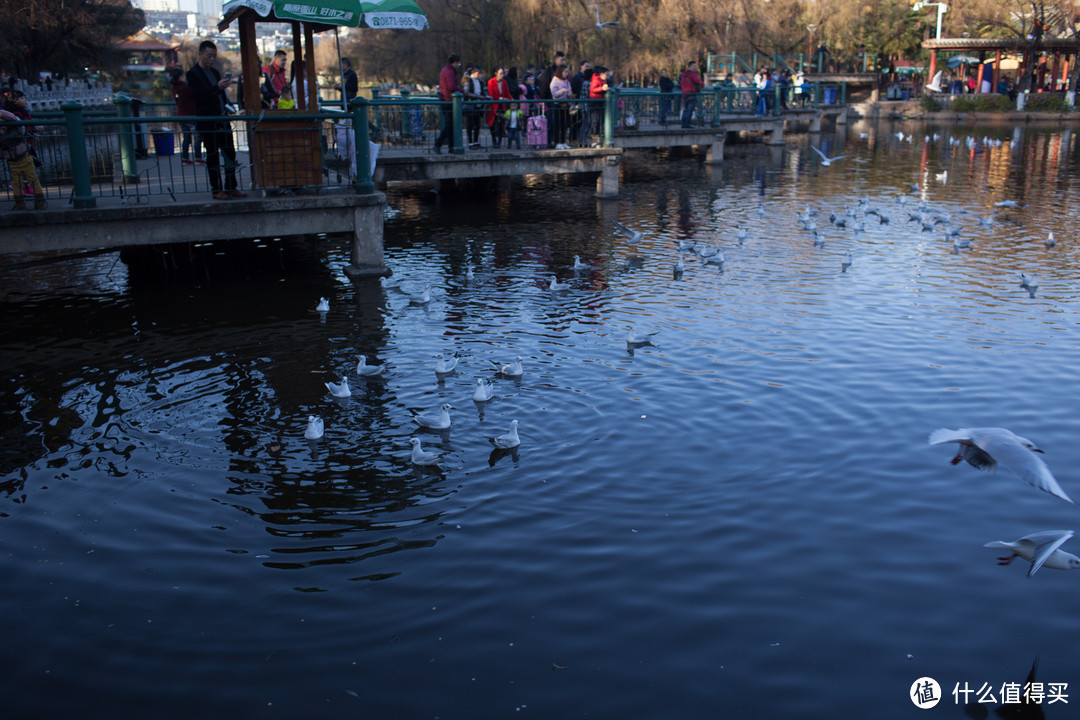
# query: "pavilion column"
996,76
979,78
250,67
309,68
298,66
1054,72
933,65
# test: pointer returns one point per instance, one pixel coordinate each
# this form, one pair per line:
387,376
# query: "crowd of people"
542,105
547,103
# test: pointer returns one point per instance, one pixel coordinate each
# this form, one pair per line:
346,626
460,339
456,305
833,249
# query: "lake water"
742,519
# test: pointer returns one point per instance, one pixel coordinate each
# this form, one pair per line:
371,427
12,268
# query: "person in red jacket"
689,83
498,89
185,107
448,85
598,86
274,78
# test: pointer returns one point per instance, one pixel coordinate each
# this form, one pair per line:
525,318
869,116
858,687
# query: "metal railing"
86,155
83,157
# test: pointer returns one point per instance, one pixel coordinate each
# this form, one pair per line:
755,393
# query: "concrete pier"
192,220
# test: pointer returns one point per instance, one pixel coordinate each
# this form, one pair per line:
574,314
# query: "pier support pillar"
815,124
366,257
776,135
715,153
607,185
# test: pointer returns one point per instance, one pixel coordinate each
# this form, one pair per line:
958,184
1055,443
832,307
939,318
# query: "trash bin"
829,96
905,94
163,141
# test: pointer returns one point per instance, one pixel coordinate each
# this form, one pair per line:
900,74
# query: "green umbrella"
384,14
378,14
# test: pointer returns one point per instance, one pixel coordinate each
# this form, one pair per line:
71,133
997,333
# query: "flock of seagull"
982,448
437,419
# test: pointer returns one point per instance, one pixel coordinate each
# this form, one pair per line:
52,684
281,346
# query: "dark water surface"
742,519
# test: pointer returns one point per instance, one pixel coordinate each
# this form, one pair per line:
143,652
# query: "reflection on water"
739,516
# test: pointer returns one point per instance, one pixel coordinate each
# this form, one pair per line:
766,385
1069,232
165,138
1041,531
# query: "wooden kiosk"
286,151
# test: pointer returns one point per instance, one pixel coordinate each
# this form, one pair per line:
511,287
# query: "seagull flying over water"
1039,549
509,440
438,420
314,429
602,25
632,236
987,448
339,390
826,160
420,456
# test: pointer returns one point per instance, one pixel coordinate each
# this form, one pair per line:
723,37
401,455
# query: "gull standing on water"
444,366
512,370
437,420
1030,283
634,338
1039,549
420,456
987,448
365,370
484,391
509,440
314,429
339,390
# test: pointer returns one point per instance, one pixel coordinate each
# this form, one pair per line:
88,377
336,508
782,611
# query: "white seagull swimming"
437,420
987,448
633,337
421,298
1039,549
339,390
509,440
825,159
323,306
444,366
513,369
579,265
484,391
420,456
314,429
365,370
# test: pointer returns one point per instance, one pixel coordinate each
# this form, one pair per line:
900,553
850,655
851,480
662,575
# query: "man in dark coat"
209,87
